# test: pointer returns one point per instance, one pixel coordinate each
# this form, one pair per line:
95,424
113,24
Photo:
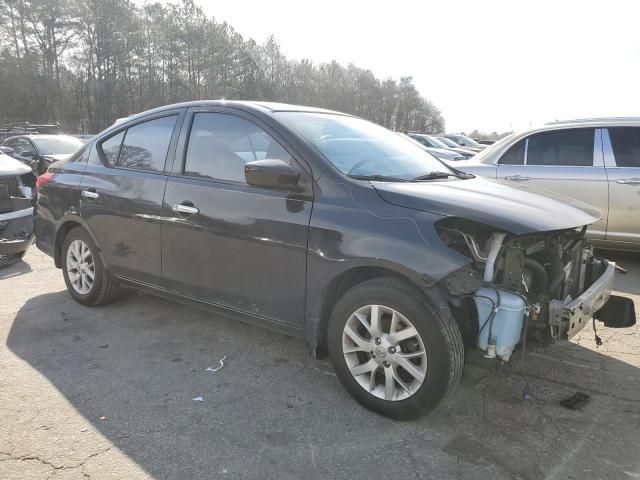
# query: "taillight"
43,179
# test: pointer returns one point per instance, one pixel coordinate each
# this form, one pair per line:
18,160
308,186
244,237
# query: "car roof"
266,107
36,136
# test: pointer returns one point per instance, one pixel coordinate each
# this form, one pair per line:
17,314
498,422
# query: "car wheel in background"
6,260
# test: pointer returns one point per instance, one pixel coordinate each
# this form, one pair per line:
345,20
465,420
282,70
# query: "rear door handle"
629,181
517,178
182,208
91,193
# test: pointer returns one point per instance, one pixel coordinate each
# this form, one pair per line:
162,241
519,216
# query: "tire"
103,288
6,260
436,350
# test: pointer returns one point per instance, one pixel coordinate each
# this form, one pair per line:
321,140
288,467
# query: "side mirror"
7,150
271,174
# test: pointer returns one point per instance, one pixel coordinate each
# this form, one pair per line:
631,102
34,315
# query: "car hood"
11,166
515,210
54,157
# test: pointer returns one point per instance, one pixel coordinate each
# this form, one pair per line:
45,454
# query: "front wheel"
87,280
392,350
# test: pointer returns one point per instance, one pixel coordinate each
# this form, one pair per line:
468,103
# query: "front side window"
24,148
625,142
562,147
515,154
357,147
145,145
220,145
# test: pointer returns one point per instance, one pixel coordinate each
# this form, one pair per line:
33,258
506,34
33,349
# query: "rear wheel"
87,280
392,350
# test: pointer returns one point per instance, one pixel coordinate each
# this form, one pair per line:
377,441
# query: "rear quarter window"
143,146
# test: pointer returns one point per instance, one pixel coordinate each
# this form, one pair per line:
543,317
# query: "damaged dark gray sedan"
330,228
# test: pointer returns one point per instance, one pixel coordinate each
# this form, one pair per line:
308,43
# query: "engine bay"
547,285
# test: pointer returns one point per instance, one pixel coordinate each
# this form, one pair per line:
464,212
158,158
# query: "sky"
487,65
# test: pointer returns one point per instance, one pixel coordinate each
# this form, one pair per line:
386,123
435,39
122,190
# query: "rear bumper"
571,316
16,231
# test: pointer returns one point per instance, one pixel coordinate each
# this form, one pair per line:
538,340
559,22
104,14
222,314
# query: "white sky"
487,64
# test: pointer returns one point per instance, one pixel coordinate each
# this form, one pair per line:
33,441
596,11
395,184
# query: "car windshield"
55,144
448,143
435,143
360,148
468,141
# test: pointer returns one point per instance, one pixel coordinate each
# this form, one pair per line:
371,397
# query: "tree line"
84,63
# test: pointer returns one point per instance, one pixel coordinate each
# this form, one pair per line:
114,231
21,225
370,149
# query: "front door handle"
517,178
629,181
182,208
91,193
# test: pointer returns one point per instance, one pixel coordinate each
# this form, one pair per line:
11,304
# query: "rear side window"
220,145
111,148
563,147
513,156
626,146
141,147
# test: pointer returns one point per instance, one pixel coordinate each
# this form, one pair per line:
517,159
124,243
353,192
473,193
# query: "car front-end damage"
16,209
548,285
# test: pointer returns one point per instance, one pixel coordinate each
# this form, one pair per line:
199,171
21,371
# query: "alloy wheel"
80,267
384,352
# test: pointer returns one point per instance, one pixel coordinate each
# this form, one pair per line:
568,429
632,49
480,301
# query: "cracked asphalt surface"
108,393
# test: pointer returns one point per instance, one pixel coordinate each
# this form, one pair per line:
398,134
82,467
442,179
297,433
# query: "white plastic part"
495,242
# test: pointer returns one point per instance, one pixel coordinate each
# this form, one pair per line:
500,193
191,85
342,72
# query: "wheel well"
337,288
60,235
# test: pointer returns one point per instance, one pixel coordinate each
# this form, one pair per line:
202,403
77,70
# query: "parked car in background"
432,142
84,137
443,154
16,210
327,227
484,142
596,161
40,150
464,142
454,146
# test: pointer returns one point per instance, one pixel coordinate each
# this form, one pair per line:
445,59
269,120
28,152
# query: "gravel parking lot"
108,393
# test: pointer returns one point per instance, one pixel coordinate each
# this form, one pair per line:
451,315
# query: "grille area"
8,189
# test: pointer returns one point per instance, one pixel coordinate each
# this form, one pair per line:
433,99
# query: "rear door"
122,191
235,245
568,162
622,159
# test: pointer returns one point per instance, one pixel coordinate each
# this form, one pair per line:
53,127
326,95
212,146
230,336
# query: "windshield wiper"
378,178
437,175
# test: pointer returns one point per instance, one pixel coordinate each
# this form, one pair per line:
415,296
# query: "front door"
122,191
568,162
622,157
228,243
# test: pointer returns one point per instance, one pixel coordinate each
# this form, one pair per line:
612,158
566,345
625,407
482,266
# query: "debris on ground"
575,401
219,367
198,399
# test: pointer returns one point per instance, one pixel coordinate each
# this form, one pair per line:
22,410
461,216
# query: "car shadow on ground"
133,368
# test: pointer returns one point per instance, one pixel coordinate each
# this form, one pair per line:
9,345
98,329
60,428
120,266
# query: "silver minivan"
596,161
